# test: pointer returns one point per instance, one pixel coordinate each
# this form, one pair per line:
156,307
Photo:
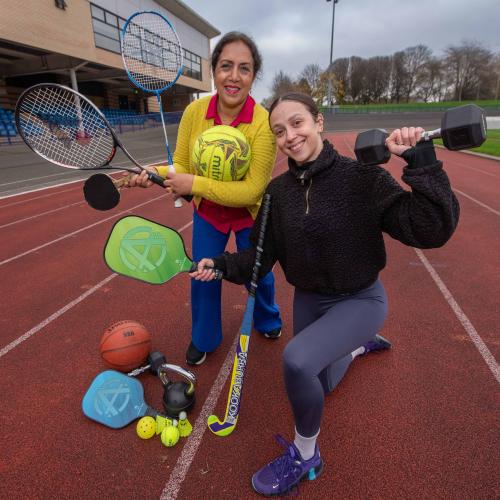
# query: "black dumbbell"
462,127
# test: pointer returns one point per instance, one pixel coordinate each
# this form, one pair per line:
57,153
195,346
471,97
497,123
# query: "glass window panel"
111,19
106,43
97,12
105,29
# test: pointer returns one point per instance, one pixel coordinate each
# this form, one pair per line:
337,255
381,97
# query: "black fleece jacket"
327,218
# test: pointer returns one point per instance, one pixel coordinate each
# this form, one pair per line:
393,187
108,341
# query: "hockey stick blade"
227,426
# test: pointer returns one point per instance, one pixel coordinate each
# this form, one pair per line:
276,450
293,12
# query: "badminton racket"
152,56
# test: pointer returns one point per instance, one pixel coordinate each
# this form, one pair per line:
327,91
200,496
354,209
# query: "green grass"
412,106
490,147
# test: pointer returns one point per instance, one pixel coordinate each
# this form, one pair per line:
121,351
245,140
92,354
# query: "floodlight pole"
331,54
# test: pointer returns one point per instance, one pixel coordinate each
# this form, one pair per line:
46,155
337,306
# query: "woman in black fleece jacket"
325,228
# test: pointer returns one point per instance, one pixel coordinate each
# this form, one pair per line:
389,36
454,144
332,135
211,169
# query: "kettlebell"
178,396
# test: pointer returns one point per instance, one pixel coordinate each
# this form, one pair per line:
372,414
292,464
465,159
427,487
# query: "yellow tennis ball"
170,435
146,427
222,153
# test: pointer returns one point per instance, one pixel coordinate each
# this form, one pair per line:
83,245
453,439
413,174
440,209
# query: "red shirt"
225,219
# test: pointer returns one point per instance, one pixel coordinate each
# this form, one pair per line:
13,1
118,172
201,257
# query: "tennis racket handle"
159,180
156,178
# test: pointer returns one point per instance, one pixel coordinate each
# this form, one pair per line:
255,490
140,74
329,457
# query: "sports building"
77,43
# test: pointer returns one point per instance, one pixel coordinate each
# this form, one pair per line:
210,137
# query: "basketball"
125,345
222,153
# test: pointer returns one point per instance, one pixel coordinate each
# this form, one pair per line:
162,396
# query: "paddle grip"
218,273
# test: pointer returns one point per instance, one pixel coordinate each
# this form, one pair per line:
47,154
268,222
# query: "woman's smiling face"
297,131
234,74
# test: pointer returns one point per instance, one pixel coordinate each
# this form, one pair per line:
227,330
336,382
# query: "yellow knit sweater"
245,193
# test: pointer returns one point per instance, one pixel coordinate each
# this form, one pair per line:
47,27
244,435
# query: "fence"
121,121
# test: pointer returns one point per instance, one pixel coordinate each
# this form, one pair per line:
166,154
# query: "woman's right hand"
204,271
141,179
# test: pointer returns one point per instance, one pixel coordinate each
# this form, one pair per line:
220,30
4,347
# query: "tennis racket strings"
63,128
151,52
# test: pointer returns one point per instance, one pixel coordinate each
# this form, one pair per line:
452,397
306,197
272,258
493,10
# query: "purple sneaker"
285,472
378,343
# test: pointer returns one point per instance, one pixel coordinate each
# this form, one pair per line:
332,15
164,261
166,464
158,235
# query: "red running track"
420,421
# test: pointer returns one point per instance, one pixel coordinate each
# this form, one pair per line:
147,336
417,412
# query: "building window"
107,29
192,65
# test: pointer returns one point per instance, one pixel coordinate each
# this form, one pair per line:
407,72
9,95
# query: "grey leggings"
326,330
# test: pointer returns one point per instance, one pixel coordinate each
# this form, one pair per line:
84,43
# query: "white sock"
305,445
358,352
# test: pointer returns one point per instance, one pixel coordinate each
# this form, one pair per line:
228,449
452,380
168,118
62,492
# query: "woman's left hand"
402,139
179,184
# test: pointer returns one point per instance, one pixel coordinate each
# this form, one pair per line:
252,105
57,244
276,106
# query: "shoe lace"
285,465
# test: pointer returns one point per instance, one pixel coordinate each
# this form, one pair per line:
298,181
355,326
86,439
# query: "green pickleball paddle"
142,249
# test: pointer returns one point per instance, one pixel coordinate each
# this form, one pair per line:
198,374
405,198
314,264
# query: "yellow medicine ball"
222,153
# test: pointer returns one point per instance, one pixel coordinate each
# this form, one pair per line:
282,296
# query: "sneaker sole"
272,337
199,362
317,473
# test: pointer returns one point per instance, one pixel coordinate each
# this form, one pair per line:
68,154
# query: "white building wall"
190,38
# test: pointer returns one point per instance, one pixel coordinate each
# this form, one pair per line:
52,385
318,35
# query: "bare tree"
430,82
378,73
414,59
358,77
282,83
312,75
468,65
398,78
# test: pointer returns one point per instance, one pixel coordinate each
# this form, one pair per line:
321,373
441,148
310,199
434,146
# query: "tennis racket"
152,56
144,250
226,426
65,128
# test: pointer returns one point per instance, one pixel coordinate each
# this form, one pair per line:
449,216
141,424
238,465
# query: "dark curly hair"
237,36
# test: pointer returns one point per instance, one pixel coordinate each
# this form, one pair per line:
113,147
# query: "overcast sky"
293,33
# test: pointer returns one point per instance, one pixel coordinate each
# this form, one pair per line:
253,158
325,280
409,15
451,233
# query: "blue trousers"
326,330
206,296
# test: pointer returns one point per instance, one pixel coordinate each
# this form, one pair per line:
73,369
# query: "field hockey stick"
227,426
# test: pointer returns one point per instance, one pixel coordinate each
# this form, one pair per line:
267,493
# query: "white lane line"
48,195
43,187
18,256
464,320
171,489
65,309
54,316
41,214
59,174
496,212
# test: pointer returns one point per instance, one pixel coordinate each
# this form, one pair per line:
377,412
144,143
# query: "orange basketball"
125,345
